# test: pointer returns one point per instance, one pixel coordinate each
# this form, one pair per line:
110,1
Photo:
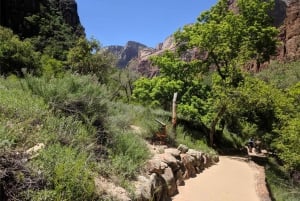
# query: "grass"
281,187
183,137
282,75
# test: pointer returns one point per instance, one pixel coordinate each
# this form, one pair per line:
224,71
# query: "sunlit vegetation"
64,91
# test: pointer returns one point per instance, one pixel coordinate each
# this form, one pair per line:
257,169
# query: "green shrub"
184,137
81,96
68,174
128,154
21,117
68,131
282,189
16,55
282,75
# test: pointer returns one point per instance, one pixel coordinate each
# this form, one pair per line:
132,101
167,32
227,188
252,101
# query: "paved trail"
229,180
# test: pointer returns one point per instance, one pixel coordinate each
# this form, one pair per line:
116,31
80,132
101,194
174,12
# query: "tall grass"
281,187
183,137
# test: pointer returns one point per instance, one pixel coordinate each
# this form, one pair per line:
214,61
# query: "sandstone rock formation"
290,33
127,53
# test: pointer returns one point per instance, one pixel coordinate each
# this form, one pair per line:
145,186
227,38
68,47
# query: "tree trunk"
174,116
213,125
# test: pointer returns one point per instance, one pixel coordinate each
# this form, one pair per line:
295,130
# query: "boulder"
152,188
156,166
170,181
188,164
179,178
183,148
169,159
174,152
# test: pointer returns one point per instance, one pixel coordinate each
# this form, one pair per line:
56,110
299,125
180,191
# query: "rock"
174,152
126,53
169,159
198,162
188,164
170,181
215,158
183,148
33,151
152,188
156,166
179,178
116,192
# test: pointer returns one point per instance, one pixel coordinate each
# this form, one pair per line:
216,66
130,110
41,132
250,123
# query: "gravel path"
229,180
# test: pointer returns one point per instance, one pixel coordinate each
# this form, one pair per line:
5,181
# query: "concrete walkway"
229,180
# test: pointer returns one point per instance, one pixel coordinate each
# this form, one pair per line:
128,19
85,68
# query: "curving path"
228,180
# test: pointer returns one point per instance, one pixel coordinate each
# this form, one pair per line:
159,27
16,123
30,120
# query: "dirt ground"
229,180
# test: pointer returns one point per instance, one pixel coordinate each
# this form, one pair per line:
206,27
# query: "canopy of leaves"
16,55
87,57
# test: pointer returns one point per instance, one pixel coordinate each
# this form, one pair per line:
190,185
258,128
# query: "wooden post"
174,117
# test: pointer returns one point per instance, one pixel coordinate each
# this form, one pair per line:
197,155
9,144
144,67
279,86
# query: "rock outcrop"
168,170
13,14
126,53
290,33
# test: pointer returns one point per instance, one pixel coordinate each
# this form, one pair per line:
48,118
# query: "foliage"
281,75
86,58
183,136
54,37
67,173
287,144
121,84
129,153
281,187
81,96
51,67
16,56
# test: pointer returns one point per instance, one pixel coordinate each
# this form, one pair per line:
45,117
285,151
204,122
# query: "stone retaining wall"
169,169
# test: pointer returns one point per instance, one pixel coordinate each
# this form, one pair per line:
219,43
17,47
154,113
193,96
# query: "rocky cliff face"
126,53
290,33
13,14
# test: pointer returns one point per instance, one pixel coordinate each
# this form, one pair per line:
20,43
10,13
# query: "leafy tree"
50,33
229,40
87,58
16,55
261,37
121,84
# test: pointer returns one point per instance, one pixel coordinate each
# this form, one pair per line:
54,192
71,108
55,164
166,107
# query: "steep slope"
290,33
19,15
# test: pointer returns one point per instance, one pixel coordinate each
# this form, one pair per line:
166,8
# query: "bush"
128,154
21,117
68,174
16,55
184,137
282,75
81,96
282,189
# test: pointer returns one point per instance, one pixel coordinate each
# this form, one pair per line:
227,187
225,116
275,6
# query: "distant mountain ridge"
126,53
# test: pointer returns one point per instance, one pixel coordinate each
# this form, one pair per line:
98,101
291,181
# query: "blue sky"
114,22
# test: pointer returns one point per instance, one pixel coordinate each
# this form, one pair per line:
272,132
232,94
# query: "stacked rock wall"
168,170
